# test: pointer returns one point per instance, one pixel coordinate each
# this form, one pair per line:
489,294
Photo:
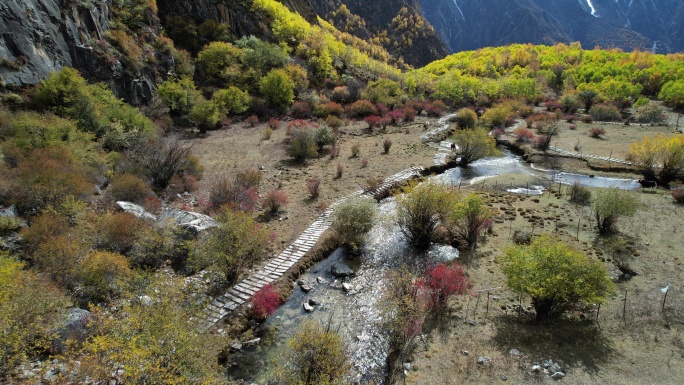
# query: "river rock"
482,360
407,365
339,269
235,346
514,352
313,302
347,287
307,308
253,342
305,288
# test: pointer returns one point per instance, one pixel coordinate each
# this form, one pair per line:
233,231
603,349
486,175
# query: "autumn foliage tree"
30,309
659,158
474,144
555,275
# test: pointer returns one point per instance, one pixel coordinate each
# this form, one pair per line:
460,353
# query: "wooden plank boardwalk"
275,268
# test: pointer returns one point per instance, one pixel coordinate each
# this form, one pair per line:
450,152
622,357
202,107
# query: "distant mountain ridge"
626,24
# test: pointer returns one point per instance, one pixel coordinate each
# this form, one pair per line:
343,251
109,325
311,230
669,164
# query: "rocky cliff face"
627,24
41,36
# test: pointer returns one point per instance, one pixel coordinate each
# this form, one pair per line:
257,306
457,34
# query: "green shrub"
316,355
278,89
180,95
579,194
129,188
466,118
205,114
302,145
324,136
352,220
605,113
420,211
610,204
218,64
231,100
237,244
650,113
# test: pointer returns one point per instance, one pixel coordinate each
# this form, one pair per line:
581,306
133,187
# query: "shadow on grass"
573,343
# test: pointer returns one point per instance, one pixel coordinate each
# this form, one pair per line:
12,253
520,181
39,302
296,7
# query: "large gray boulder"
195,222
73,327
136,210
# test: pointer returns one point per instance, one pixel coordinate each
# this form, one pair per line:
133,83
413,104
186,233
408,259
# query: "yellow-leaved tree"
659,158
555,275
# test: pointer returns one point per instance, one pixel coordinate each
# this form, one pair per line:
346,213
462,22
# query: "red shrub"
339,171
386,145
328,109
435,108
340,94
678,195
382,108
313,185
417,105
334,152
372,121
596,132
553,105
300,109
362,108
523,134
252,121
409,114
265,301
364,163
274,200
274,123
396,116
444,281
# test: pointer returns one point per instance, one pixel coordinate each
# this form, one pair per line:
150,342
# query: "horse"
648,183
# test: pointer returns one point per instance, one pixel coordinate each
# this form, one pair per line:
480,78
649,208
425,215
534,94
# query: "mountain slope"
626,24
398,25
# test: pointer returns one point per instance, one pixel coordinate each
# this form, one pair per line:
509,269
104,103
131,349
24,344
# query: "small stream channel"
357,312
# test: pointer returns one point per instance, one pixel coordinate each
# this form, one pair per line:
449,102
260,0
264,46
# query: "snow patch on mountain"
459,10
593,10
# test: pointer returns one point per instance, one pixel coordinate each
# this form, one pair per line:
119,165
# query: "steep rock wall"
41,36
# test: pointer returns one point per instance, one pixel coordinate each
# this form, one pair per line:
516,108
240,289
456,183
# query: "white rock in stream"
308,308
